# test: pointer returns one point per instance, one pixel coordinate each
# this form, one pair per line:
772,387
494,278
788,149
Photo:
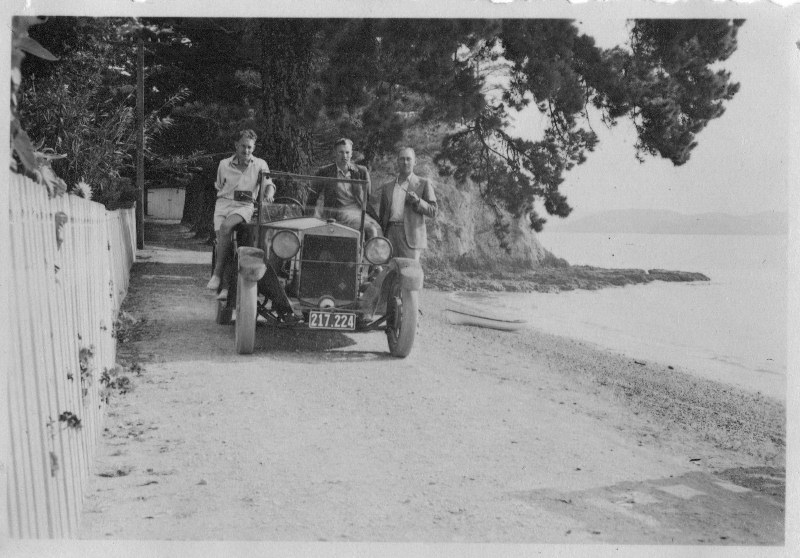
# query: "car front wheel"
246,313
401,320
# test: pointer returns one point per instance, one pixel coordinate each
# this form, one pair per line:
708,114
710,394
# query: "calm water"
732,328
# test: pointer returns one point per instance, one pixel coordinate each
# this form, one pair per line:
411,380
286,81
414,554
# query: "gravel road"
478,436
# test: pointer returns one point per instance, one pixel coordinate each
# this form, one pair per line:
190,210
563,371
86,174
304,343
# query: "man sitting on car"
237,184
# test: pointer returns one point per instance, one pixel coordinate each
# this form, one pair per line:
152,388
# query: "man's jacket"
332,198
414,214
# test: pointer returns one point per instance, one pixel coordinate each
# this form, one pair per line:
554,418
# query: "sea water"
731,328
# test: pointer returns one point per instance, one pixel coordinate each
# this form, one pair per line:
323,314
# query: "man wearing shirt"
237,188
342,200
405,202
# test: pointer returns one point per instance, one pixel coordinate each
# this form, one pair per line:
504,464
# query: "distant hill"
646,221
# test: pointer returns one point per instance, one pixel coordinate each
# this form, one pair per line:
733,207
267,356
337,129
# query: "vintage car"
330,276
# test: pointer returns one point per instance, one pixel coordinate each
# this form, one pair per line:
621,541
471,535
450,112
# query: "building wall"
165,203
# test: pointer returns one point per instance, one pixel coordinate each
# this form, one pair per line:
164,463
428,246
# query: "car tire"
401,320
246,314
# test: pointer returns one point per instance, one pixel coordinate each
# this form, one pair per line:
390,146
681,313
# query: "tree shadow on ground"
173,319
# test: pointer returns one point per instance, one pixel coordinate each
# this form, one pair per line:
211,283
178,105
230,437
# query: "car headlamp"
378,250
285,244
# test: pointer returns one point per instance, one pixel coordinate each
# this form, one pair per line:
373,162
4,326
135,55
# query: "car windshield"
286,209
296,198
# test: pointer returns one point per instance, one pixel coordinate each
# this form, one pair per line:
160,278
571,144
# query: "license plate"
331,320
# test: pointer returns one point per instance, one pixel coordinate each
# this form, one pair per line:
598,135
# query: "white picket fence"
69,266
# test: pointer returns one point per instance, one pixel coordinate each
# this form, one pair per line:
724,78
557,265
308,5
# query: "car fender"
251,263
376,294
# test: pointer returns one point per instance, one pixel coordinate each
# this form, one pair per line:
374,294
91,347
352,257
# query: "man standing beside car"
405,202
342,200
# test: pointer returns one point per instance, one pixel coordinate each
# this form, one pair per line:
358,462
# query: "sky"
741,163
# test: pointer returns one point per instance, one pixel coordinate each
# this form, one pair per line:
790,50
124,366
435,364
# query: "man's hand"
269,193
412,198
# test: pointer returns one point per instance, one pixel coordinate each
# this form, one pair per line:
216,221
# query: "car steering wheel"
286,200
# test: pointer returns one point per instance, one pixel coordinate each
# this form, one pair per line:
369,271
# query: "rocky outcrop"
464,252
667,275
550,279
464,228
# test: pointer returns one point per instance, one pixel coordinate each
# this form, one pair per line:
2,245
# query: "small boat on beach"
458,317
478,309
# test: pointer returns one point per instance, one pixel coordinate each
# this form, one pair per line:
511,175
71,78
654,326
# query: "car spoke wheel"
246,313
401,320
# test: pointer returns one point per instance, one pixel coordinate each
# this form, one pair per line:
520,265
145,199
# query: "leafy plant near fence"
85,356
24,158
79,110
114,380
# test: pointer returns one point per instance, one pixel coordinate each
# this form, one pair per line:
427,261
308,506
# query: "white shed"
165,203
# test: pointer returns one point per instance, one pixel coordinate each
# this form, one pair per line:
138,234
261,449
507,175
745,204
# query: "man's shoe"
374,271
223,295
213,283
290,319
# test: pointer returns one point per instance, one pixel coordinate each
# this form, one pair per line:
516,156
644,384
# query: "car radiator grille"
328,267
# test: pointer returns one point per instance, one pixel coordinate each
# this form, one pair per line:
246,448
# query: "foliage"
71,419
25,158
300,83
114,381
672,91
376,78
83,109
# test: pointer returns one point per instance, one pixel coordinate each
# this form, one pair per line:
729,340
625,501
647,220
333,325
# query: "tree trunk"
286,65
191,203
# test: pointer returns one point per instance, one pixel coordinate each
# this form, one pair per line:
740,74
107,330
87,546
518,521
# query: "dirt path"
477,436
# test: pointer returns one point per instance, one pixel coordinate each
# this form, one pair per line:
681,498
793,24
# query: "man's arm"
218,182
426,204
268,185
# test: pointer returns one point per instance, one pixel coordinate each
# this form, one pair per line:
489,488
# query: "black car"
329,275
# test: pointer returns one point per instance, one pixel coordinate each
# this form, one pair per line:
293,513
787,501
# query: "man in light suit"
405,202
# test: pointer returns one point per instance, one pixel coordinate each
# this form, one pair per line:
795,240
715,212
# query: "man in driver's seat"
342,200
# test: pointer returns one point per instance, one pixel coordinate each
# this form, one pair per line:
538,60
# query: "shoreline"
545,279
581,315
727,416
557,276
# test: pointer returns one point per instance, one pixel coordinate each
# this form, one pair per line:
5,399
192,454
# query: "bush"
553,261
